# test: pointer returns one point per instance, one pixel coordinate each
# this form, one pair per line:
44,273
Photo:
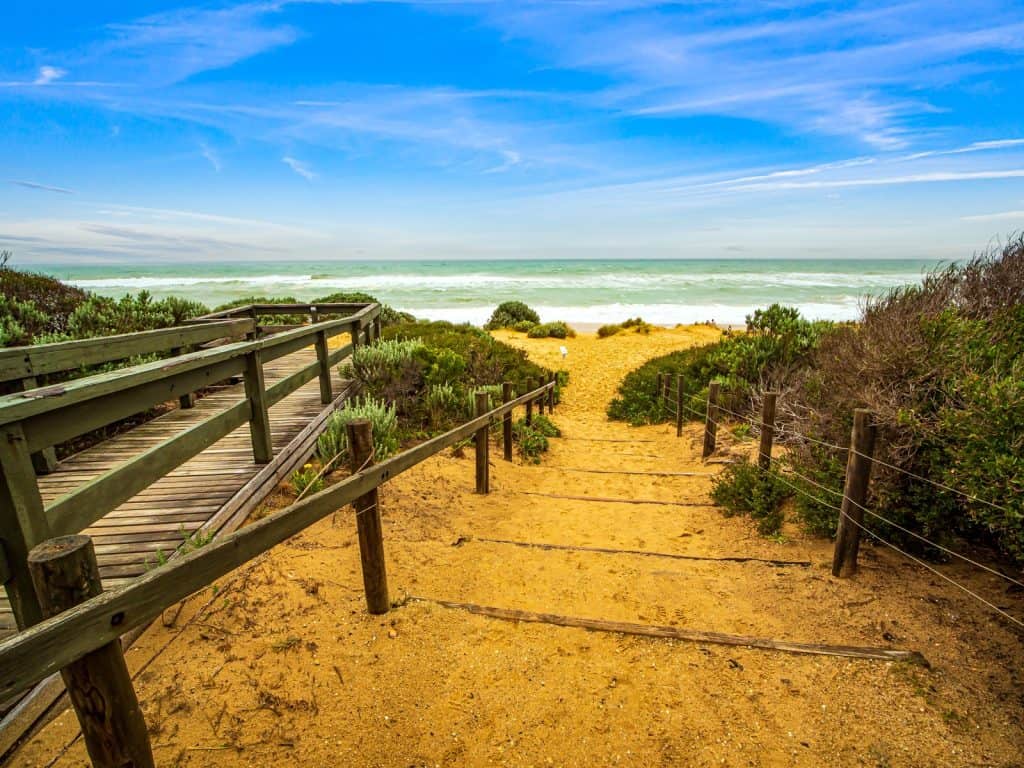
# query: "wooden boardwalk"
215,489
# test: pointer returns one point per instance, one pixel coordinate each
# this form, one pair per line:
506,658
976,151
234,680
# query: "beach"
584,293
281,664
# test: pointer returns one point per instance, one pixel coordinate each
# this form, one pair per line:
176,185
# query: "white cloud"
49,74
1001,216
43,187
299,167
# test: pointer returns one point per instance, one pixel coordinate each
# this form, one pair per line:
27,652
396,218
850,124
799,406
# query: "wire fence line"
872,513
906,554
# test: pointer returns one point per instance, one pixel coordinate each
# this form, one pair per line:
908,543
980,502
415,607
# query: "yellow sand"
283,665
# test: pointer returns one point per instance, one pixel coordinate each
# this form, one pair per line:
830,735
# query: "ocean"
664,292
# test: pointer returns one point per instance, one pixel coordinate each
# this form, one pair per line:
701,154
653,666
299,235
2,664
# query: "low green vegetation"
309,477
555,330
636,324
744,489
775,346
430,372
512,314
332,445
532,439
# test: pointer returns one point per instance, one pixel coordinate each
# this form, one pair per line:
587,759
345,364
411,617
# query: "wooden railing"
36,419
21,368
61,641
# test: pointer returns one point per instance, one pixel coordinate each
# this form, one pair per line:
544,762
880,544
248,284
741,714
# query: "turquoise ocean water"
660,291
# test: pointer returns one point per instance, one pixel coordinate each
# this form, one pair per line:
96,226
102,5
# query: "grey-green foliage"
440,399
493,392
332,444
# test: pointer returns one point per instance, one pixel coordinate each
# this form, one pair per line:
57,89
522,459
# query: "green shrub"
545,426
307,477
556,330
388,315
524,326
608,330
532,439
508,313
390,369
332,444
441,400
493,392
43,304
743,489
775,348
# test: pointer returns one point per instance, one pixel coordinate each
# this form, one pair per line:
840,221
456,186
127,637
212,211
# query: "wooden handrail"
18,363
53,643
40,402
248,310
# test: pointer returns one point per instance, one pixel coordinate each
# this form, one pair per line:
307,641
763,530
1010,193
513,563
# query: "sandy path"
284,666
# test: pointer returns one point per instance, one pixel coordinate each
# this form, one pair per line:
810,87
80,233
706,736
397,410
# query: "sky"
156,131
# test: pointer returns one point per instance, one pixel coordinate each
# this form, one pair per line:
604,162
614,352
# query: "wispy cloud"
299,167
43,187
211,156
1000,216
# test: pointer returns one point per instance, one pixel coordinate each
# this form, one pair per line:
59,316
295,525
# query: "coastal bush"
636,323
555,330
388,315
940,367
776,345
332,445
430,372
744,489
508,313
40,305
524,326
532,439
608,330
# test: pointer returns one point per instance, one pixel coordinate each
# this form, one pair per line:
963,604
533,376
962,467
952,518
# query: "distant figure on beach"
564,351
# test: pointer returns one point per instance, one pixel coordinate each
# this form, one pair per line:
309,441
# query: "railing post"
551,392
259,424
661,387
711,420
65,573
187,400
44,461
378,327
355,331
23,523
368,523
255,332
679,405
855,493
314,314
529,403
506,420
764,451
542,400
482,440
326,394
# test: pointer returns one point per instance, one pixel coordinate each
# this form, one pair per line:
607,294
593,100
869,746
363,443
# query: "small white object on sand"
564,351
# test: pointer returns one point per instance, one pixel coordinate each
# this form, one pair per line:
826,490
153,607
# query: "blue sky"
269,130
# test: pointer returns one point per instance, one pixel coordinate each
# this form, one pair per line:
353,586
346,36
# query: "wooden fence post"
855,493
23,523
255,332
326,395
679,405
187,400
314,315
368,523
378,327
44,461
506,420
65,573
482,439
542,400
764,451
355,335
259,424
711,420
661,386
552,380
529,403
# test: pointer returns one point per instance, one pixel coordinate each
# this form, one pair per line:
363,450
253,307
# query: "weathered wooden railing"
37,419
23,368
316,313
68,641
